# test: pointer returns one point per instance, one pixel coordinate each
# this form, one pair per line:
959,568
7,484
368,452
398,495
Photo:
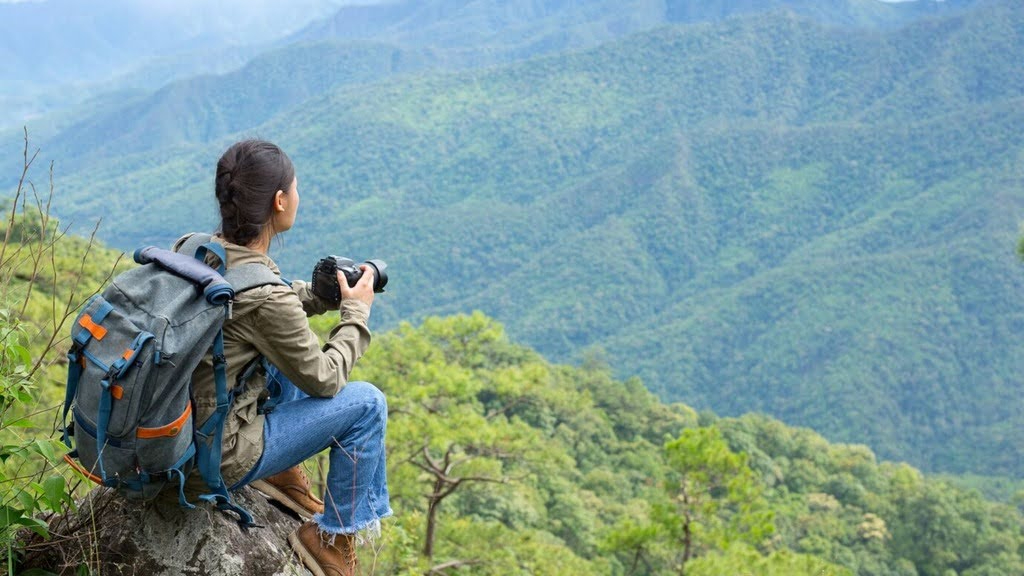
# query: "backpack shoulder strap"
253,275
194,241
241,278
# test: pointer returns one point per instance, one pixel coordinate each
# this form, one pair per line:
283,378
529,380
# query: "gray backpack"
133,351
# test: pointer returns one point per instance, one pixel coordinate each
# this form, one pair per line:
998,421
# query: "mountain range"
800,208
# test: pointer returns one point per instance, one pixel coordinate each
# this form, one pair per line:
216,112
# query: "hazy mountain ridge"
59,54
60,41
540,23
453,34
206,108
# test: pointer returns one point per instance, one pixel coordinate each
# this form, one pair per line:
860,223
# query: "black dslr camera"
325,276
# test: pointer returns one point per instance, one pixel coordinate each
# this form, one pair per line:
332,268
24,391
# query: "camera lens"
380,274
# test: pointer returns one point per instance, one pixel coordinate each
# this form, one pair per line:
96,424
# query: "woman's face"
284,219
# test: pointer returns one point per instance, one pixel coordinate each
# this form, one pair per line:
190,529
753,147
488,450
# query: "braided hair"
249,175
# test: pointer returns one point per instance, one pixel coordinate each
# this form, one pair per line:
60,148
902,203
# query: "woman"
315,406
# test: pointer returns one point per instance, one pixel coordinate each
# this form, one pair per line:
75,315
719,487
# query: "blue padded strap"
181,488
74,375
218,250
220,377
179,470
209,440
102,422
210,435
193,242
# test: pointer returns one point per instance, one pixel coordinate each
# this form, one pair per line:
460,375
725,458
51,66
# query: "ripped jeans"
352,424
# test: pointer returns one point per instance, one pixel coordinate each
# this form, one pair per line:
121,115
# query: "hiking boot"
324,554
292,489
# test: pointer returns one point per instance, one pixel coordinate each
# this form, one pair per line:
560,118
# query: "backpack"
130,365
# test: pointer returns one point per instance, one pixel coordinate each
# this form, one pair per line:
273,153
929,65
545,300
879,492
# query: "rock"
118,537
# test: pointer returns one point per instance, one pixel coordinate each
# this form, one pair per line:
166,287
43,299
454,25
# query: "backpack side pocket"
164,440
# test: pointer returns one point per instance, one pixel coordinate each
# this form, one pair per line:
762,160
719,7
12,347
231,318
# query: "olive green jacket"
272,321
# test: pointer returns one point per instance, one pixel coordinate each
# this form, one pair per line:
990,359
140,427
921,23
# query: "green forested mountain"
757,214
500,462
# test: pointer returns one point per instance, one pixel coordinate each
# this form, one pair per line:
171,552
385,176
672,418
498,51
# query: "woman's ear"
280,201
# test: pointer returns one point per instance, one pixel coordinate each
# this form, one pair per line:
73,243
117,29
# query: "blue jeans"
352,424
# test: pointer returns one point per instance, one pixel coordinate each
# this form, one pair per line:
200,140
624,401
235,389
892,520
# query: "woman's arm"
281,332
311,303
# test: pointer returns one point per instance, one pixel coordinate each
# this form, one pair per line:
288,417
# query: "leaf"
45,448
9,450
9,516
36,572
20,423
23,354
27,501
54,492
36,525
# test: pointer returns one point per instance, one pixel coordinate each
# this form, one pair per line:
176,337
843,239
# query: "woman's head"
256,191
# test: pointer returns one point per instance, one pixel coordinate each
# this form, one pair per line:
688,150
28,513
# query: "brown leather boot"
325,554
292,489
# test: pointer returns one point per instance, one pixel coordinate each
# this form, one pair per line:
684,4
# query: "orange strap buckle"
97,331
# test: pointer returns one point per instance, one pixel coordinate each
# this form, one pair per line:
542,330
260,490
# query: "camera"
325,276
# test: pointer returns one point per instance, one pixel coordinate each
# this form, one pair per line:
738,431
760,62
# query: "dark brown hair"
249,175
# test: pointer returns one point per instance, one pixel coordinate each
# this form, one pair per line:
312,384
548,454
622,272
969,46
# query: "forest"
502,462
816,215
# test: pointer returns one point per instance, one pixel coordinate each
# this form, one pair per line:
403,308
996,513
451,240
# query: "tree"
450,427
716,498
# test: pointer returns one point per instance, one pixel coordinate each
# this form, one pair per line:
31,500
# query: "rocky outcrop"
118,537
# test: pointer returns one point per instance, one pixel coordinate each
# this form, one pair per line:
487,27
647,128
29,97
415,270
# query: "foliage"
574,472
487,426
578,473
742,559
838,503
717,497
44,277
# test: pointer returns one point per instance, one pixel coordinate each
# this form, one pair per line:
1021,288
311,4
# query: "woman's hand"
363,290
